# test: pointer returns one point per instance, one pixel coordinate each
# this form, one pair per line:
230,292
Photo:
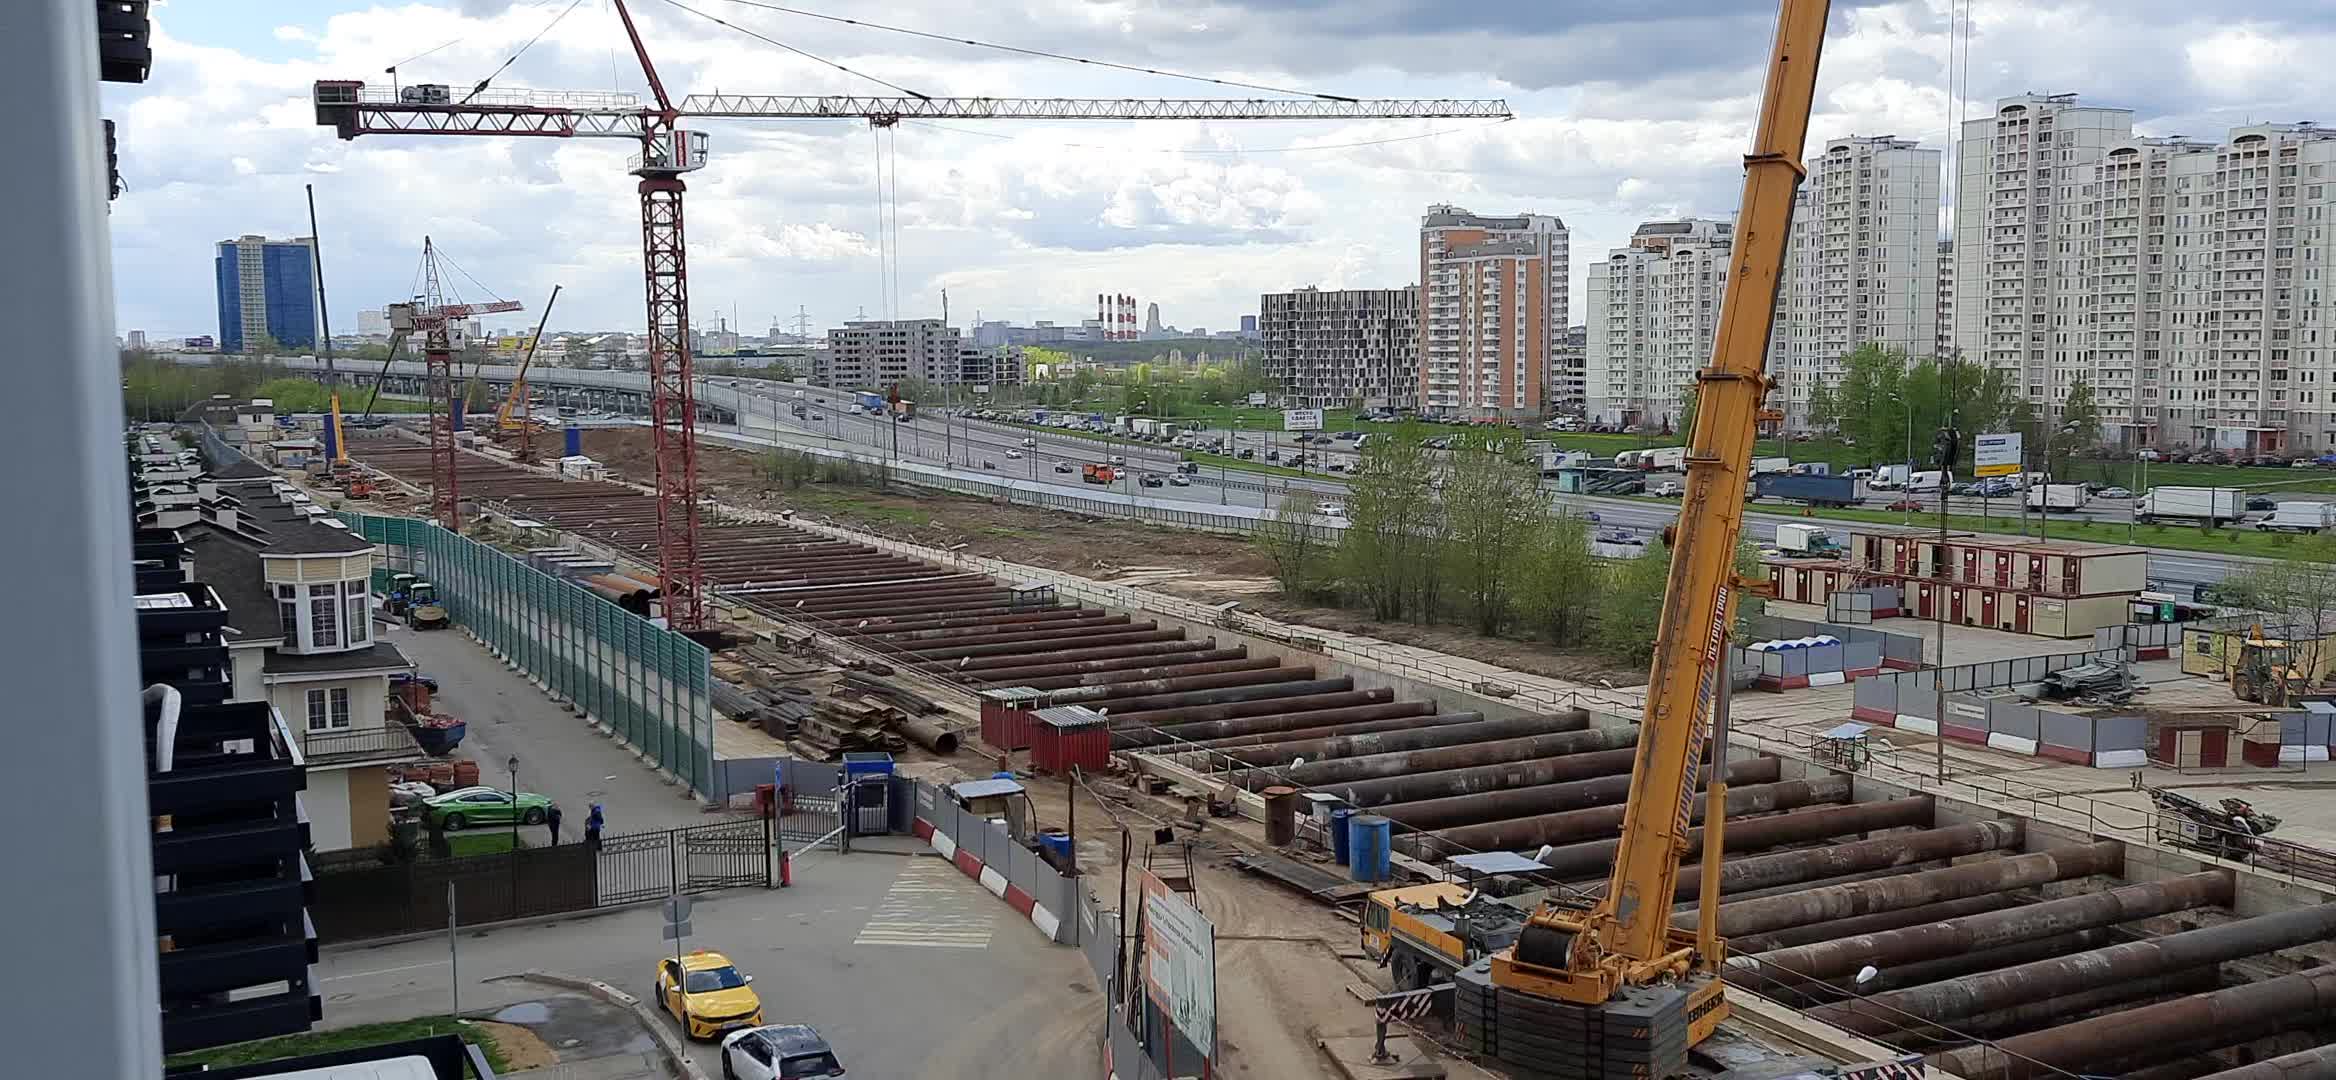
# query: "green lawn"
845,502
485,840
318,1042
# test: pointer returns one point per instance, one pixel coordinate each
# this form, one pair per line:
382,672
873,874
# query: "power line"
768,40
1041,53
454,41
522,51
1236,151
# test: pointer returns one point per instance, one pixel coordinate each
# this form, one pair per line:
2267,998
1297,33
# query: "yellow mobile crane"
1614,988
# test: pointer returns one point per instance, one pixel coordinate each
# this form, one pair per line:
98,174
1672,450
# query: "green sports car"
484,806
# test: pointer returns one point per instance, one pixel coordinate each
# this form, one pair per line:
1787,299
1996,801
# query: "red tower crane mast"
429,315
667,151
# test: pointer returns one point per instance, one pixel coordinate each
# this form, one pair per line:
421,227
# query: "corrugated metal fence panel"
649,685
1860,655
2119,733
2011,718
2061,729
1877,693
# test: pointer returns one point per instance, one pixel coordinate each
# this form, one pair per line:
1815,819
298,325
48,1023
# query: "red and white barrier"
1027,905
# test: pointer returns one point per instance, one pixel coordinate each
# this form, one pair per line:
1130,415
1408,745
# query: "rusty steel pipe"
983,665
1108,694
1873,922
1025,649
2123,904
2317,1063
1193,652
1275,727
930,735
1362,744
1597,856
1918,1033
1316,729
1232,695
1949,967
2218,1018
2007,987
1837,860
1378,766
1216,664
1482,778
1745,918
1598,822
987,632
1430,815
1029,641
1002,617
1177,718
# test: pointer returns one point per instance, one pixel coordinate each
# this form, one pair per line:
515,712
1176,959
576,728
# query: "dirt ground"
520,1047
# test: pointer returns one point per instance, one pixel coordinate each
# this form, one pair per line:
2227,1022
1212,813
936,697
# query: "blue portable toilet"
575,447
1368,847
457,412
1340,843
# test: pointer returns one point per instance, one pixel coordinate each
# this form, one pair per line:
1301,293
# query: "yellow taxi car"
706,994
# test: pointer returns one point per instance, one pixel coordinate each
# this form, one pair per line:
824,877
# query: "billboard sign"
1257,399
1180,963
1997,455
1301,419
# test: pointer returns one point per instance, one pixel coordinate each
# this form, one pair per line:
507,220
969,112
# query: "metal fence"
369,897
1053,894
1903,649
1913,693
648,685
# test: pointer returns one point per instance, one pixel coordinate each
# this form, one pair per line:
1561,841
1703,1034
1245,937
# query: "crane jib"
1714,639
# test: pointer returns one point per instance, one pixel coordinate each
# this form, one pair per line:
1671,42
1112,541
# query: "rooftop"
379,656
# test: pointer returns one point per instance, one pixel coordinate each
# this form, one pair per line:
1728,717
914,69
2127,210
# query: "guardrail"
350,744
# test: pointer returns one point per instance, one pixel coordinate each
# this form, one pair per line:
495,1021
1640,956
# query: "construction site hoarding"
1180,963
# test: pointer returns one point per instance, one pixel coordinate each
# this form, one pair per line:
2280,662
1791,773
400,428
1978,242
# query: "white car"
1014,453
1029,442
1333,510
778,1052
1117,459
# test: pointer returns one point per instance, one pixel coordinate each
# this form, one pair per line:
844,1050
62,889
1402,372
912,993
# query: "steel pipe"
930,735
1591,823
1362,744
2224,1017
1748,917
1919,1033
1546,799
1035,641
1869,923
1958,965
1837,860
1109,692
2010,986
2123,904
1481,778
1316,729
1192,665
1233,710
1370,706
1376,766
1752,834
984,666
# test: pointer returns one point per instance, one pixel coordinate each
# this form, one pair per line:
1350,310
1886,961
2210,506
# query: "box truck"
2058,498
1793,538
1930,481
2202,505
1889,477
1813,490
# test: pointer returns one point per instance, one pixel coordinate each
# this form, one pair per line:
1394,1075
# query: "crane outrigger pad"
1642,1032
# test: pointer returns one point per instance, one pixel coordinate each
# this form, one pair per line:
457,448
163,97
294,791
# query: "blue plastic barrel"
1340,844
1059,843
575,442
1368,844
457,413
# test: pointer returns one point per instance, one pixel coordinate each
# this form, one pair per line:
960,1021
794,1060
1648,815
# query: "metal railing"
351,744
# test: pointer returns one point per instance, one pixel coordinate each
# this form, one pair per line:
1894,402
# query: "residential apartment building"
1335,348
1493,310
1861,264
1563,387
1945,289
876,353
1653,311
2182,280
266,291
2024,220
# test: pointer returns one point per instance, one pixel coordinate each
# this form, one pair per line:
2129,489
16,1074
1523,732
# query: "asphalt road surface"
909,968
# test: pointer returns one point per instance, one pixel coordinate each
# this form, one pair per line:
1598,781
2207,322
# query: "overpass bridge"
622,392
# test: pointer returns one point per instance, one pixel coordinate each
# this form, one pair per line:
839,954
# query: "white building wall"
1861,264
1654,309
327,801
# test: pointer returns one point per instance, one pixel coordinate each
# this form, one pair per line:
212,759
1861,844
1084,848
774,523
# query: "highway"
997,450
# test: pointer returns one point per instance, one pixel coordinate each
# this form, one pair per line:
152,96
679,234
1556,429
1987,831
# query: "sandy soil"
521,1048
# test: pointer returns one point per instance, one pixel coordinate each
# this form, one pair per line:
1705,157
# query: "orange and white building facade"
1493,311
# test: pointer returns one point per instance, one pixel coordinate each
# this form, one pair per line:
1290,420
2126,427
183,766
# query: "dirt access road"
1202,566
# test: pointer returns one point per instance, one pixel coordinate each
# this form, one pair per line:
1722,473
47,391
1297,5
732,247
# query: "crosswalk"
931,905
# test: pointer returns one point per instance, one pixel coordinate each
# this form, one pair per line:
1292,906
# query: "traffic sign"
676,908
674,931
1997,455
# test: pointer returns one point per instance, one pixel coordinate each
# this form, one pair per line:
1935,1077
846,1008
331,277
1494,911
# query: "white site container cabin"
2058,497
1771,465
2302,515
2196,504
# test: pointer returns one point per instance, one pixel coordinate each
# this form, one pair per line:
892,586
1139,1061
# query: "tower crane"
668,151
428,316
1628,992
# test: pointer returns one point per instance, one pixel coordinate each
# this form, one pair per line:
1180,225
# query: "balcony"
389,742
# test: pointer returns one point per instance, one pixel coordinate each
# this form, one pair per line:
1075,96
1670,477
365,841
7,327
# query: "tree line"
1467,537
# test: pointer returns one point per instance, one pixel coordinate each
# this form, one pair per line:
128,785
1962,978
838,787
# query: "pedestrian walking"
592,826
551,820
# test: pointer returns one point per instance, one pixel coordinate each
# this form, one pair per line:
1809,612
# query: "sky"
1624,113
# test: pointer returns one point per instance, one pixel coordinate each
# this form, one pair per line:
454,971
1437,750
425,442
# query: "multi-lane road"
1048,457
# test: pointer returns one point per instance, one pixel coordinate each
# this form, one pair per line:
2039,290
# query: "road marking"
383,971
930,905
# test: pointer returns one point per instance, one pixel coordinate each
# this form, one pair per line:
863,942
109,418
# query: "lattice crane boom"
429,315
352,108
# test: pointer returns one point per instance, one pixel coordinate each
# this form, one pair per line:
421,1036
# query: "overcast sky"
1625,112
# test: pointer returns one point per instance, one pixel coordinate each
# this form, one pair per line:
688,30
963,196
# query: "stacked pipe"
1746,918
1752,834
2219,1018
1529,817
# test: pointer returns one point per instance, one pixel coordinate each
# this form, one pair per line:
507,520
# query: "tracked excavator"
1610,988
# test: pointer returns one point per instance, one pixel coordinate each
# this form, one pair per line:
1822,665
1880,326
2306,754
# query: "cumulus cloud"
1625,112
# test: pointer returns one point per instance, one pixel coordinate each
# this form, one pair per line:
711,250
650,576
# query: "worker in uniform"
592,825
551,822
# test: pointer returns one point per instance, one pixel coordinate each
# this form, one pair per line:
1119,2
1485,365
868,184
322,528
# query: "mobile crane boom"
1588,957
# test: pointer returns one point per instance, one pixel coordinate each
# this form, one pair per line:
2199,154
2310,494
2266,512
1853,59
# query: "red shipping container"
1071,735
1006,716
